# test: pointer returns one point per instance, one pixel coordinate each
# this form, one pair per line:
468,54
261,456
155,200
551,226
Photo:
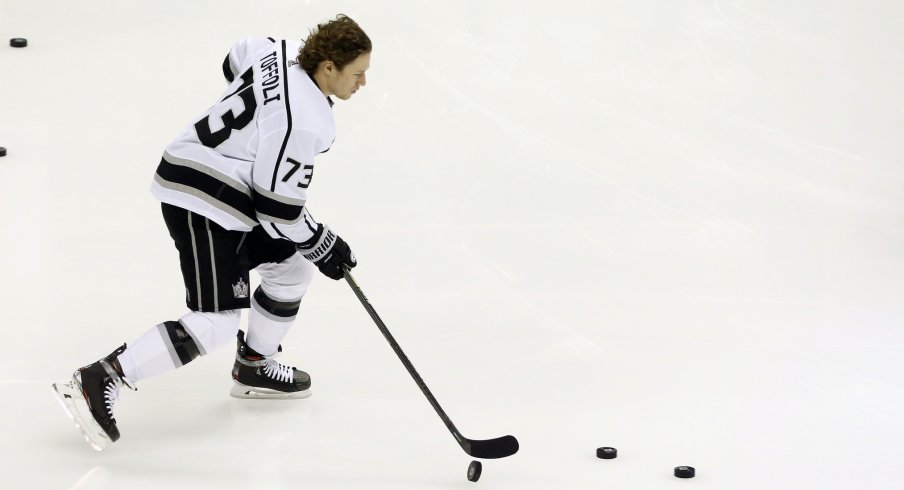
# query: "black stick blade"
492,448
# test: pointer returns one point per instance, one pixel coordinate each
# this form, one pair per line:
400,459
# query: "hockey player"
233,187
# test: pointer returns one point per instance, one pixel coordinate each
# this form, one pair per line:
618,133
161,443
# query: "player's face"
345,82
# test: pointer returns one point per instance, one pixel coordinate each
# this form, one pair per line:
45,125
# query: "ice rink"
674,227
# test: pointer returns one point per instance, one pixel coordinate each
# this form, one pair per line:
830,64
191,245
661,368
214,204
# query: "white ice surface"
675,227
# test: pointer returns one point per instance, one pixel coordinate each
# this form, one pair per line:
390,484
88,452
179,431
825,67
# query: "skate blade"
248,392
75,406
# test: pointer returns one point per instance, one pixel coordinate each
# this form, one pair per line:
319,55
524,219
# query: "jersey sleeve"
240,55
283,170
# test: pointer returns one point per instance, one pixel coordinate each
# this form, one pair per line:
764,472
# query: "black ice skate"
89,399
258,376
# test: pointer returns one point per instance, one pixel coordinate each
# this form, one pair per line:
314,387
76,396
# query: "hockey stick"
485,449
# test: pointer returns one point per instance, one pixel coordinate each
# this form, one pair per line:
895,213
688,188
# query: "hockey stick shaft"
499,447
462,441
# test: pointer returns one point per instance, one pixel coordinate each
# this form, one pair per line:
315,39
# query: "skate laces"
111,388
111,396
278,371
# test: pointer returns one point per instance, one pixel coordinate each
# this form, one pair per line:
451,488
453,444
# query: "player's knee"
212,330
287,280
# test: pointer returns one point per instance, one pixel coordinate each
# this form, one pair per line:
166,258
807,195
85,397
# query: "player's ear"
328,66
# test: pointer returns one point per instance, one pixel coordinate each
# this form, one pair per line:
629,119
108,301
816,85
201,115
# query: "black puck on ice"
18,42
685,471
606,452
474,470
2,151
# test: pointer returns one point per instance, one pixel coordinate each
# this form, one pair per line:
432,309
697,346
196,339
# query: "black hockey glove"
329,253
337,256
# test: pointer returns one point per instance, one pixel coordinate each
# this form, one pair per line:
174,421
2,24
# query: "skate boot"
258,376
88,398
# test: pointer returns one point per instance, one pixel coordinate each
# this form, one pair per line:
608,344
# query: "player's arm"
283,171
240,55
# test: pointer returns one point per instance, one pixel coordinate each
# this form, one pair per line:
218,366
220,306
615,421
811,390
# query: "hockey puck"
18,42
606,452
2,151
474,470
685,471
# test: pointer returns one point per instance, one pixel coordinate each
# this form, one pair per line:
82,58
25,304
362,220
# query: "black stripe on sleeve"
276,209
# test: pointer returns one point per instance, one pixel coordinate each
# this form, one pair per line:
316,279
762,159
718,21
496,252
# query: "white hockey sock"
268,322
275,302
146,357
171,345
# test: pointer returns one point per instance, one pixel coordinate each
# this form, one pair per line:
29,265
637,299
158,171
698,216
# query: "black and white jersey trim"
213,187
276,208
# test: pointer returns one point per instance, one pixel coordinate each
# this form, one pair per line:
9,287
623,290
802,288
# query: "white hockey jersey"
250,158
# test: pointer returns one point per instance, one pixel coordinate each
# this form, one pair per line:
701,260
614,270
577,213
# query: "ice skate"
88,398
258,376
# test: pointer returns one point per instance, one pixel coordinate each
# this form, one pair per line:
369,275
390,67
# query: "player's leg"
173,344
276,301
215,275
285,276
210,266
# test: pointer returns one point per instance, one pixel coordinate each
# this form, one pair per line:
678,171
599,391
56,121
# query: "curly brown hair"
340,40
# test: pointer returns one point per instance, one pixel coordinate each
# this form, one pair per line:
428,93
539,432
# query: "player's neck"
320,81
